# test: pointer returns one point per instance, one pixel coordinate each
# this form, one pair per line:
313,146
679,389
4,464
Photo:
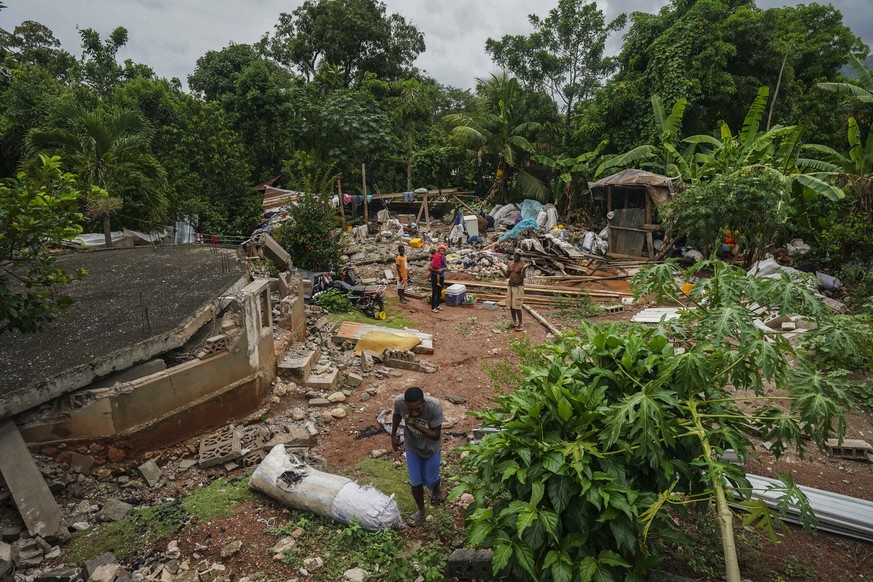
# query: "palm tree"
107,150
494,132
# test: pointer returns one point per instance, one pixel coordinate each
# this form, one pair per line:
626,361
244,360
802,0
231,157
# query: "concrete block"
855,449
613,308
470,565
219,448
325,381
274,251
296,366
354,379
81,463
35,502
151,472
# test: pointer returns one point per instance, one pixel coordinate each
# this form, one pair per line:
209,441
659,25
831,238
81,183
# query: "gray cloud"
170,35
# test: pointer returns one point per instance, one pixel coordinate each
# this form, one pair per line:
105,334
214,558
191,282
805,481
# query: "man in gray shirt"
423,421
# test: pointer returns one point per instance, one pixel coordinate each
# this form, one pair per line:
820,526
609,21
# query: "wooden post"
339,191
426,212
364,181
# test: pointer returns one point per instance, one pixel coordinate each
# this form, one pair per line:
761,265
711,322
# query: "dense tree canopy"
334,85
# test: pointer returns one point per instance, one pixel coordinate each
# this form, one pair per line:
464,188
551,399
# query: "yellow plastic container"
416,243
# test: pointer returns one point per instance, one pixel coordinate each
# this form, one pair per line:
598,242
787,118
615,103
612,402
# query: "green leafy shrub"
307,235
333,301
620,423
755,207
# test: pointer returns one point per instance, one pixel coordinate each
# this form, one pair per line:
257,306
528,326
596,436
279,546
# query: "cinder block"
613,308
220,447
850,449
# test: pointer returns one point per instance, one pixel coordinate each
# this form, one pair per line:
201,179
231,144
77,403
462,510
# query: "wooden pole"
339,191
426,212
541,319
364,181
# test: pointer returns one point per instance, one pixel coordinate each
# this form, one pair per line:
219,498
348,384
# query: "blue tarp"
526,224
530,209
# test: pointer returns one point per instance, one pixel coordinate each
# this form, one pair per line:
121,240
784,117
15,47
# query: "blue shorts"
423,471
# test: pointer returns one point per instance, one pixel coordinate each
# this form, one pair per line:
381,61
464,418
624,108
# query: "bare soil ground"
464,339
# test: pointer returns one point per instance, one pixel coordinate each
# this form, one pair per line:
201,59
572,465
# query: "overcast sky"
170,35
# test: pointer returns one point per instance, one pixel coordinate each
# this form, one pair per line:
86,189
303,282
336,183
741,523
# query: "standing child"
402,273
437,277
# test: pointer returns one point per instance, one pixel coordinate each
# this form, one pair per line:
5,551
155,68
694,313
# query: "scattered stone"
186,464
107,573
465,500
338,412
101,560
367,364
114,510
354,379
337,397
364,397
231,549
81,525
81,463
319,402
55,552
10,534
313,564
379,453
230,466
59,575
298,414
456,400
214,573
151,472
355,575
116,455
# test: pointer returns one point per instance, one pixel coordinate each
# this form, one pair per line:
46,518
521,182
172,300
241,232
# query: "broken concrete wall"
221,385
291,306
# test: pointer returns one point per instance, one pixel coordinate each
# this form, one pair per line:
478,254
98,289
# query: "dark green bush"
307,236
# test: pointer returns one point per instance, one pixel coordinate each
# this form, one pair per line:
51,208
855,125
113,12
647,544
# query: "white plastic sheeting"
296,484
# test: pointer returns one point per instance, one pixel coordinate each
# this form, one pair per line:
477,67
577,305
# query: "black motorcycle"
367,298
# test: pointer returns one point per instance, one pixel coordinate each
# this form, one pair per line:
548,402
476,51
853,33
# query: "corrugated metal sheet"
839,514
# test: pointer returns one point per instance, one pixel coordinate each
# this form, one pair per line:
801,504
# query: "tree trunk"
776,91
409,161
726,526
107,230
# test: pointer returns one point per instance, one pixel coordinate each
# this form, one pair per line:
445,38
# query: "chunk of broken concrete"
114,510
151,472
81,463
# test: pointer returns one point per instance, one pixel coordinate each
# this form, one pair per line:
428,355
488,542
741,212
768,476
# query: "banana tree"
863,91
663,156
854,170
570,172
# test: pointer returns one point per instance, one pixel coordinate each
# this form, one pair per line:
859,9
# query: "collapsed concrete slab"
35,502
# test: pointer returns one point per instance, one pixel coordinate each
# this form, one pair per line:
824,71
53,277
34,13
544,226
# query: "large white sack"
296,484
551,216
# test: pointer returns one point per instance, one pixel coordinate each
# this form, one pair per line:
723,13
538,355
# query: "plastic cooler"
455,294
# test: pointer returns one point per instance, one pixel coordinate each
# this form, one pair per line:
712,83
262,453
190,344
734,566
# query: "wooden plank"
353,331
549,290
541,319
